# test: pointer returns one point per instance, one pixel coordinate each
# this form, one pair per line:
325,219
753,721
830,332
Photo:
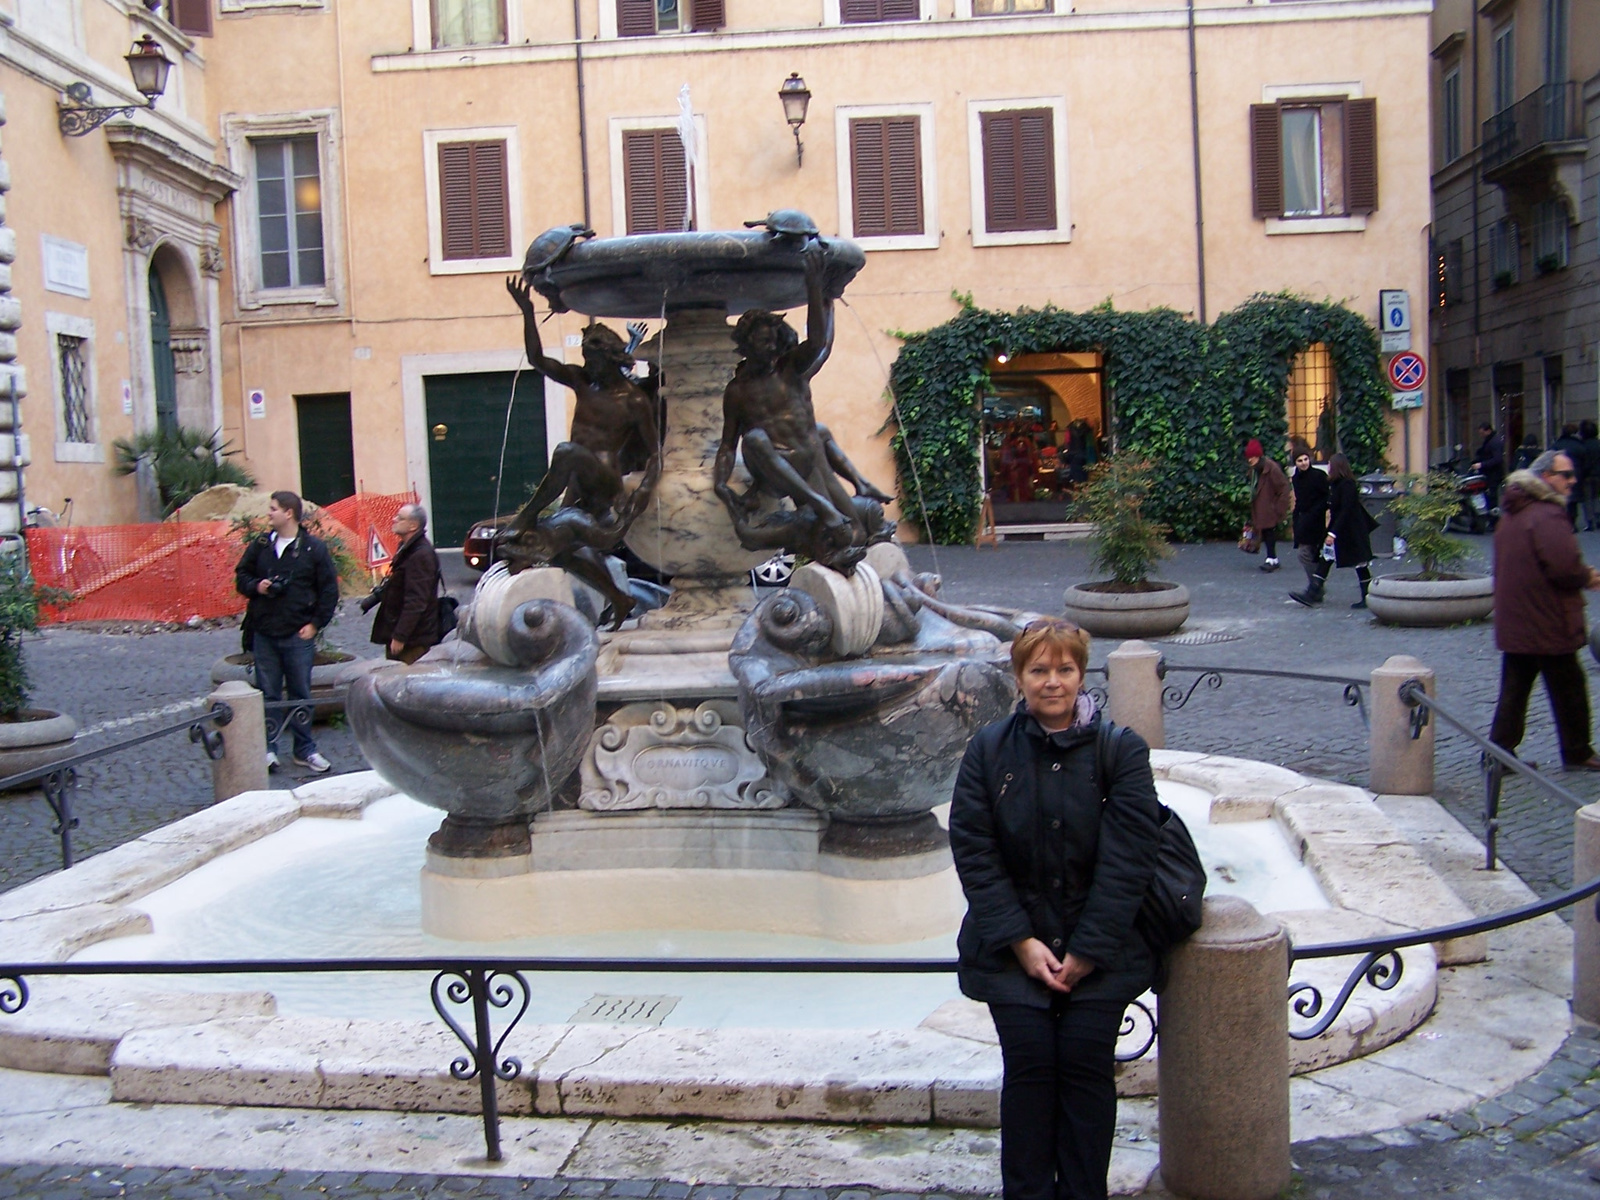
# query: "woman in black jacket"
1055,863
1310,520
1350,526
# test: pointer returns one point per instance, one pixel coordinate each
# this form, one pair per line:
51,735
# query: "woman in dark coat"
1055,863
1310,521
1350,526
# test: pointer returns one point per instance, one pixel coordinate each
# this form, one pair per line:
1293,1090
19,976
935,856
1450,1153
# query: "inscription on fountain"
657,755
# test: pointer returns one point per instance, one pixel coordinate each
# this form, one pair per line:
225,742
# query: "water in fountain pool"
325,888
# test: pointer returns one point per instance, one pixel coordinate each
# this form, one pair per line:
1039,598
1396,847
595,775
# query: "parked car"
775,572
477,551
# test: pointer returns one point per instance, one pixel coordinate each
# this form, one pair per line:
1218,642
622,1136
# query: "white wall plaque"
256,402
66,267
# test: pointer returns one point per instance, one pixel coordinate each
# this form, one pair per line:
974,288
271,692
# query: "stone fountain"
812,732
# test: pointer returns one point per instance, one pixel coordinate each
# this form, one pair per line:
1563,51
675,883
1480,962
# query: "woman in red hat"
1270,496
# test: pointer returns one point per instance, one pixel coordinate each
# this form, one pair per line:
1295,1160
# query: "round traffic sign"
1407,371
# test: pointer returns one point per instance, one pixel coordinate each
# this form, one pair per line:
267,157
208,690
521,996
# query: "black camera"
373,598
277,585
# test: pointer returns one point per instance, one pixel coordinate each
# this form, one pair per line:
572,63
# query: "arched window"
1313,392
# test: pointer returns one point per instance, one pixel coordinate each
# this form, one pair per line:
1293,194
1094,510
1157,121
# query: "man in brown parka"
1539,580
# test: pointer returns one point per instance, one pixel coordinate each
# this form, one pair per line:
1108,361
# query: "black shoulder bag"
1171,908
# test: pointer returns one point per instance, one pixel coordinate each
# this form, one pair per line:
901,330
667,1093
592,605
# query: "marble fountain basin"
331,869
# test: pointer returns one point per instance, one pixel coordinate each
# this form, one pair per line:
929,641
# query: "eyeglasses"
1060,624
1565,474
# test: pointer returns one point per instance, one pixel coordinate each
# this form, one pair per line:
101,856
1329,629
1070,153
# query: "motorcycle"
1474,515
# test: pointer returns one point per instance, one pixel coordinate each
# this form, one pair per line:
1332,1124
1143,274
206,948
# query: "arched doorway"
161,358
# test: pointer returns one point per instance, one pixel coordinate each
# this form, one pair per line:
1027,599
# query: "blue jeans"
280,662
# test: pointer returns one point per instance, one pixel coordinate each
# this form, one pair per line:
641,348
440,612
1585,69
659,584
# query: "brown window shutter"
474,201
886,176
1266,160
455,198
1361,156
707,14
636,18
868,179
899,10
904,175
491,201
655,181
852,12
1019,170
192,16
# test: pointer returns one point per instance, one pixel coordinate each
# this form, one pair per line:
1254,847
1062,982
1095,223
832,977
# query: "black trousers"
1569,702
1269,540
1058,1101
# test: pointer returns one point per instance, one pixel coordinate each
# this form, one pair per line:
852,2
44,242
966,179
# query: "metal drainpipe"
1194,133
1477,262
583,121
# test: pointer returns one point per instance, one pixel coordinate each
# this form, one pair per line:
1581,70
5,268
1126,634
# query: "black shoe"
1271,564
1305,598
1592,763
1361,603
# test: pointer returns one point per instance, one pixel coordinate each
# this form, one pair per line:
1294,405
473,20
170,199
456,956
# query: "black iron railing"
59,779
1174,697
1550,113
1495,761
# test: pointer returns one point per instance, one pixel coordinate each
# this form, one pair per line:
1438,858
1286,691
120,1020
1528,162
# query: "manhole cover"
625,1010
1202,637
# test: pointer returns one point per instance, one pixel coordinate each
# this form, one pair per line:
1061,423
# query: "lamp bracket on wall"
82,117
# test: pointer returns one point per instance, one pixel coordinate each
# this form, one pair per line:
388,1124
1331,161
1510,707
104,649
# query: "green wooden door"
166,373
466,417
327,451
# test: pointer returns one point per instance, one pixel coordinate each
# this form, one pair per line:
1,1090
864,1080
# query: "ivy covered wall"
1184,395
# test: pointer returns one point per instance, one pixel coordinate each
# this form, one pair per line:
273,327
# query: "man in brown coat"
1539,580
407,623
1270,496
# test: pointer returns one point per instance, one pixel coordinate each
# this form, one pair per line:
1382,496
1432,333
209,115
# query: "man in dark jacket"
293,589
1539,580
407,623
1589,469
1310,517
1570,444
1491,463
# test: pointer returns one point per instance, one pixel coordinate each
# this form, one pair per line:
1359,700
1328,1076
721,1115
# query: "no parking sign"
1407,372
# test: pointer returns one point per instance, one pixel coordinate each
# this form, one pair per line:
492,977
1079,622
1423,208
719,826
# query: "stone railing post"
1135,690
1585,929
243,765
1224,1094
1400,765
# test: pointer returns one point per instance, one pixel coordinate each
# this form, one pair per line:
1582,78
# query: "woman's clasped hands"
1058,974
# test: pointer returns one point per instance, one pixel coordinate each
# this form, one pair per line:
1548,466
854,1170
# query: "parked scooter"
1474,515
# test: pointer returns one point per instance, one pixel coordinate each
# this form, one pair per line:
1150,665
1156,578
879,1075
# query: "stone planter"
331,674
1154,613
42,736
1406,600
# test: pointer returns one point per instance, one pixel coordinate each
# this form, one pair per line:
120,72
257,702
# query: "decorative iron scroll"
1173,698
13,994
1380,968
1354,698
482,986
1136,1016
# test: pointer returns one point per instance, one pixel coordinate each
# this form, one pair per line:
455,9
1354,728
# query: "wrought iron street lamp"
149,68
796,99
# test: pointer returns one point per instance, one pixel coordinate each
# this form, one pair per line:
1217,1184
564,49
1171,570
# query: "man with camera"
293,588
407,601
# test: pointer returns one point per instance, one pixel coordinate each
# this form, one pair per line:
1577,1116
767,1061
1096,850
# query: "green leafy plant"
185,463
20,598
1127,543
1426,503
1184,395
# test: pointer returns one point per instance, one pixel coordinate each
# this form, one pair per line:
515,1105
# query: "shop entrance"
1044,427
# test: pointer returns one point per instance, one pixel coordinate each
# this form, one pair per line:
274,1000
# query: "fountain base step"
790,902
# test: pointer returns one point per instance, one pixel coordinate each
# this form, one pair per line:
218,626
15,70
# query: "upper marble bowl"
642,275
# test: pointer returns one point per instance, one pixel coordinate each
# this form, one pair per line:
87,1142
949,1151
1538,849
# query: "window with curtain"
289,211
468,23
1314,158
996,8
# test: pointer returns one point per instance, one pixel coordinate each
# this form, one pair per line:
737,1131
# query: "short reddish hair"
1050,633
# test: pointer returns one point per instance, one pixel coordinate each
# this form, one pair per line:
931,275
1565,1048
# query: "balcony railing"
1547,114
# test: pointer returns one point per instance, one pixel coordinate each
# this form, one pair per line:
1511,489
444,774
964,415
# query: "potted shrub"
1437,594
332,669
29,737
1127,546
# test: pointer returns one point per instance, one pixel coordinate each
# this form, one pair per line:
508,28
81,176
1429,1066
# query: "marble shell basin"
641,275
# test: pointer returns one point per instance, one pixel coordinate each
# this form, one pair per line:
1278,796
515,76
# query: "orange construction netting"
175,571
